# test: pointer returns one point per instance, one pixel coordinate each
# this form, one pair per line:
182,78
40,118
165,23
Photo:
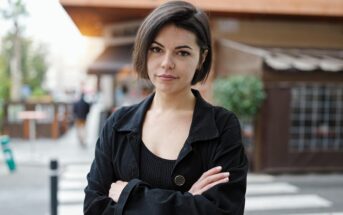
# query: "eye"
155,49
183,53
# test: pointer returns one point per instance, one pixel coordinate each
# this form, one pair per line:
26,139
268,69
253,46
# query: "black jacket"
214,140
81,109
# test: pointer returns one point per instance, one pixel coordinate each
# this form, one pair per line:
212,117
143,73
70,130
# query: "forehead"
175,36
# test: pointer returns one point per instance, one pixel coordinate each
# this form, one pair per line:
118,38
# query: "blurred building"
296,47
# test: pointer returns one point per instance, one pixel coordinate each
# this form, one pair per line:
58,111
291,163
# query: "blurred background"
65,66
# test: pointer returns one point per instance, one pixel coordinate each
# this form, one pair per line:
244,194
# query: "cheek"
151,69
191,67
194,62
151,63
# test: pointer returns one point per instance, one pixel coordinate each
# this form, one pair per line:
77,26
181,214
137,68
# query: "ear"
202,59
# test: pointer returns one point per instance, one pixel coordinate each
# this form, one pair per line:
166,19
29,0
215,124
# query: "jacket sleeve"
101,175
229,198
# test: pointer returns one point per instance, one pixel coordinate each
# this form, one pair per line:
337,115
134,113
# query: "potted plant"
243,95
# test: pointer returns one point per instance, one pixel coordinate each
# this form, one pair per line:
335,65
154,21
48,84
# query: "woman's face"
173,58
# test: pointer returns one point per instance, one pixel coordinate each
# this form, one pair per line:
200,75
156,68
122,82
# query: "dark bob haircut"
183,15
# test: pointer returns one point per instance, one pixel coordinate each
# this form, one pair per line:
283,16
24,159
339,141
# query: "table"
32,117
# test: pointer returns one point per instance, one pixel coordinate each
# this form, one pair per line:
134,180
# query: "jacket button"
179,180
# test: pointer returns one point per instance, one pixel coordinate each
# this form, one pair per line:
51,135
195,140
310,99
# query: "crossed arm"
208,180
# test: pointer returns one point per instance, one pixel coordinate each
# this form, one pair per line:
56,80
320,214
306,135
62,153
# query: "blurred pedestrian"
122,95
81,109
173,153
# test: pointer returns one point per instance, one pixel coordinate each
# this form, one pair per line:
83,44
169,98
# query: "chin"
170,89
164,89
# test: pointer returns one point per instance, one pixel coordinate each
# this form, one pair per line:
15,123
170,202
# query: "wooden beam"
330,8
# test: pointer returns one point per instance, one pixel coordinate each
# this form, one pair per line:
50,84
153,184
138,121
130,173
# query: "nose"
168,62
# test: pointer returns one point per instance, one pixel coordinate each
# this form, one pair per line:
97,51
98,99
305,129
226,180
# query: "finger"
209,186
212,178
212,171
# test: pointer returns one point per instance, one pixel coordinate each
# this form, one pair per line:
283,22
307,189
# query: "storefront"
300,125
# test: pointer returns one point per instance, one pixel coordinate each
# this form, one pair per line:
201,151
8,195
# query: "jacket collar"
203,125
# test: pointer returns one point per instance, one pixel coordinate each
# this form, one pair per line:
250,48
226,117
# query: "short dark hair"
183,15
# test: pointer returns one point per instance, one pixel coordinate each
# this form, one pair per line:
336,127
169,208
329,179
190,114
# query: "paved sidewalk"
39,152
26,191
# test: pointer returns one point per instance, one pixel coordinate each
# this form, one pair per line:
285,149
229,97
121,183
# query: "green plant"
5,85
242,94
1,116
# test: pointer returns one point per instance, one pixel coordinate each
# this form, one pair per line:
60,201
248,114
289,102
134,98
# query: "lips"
167,77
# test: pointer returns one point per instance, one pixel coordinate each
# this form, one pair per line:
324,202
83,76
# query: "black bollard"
53,186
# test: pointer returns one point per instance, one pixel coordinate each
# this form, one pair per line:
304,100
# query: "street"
320,194
27,192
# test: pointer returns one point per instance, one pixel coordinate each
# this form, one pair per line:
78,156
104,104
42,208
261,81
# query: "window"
13,113
48,110
316,117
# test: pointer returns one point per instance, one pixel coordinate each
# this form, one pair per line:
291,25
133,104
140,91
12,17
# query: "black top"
155,170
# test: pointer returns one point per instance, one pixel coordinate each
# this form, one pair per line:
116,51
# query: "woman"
173,153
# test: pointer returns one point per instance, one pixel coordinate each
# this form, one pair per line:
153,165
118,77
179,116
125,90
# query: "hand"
116,189
209,179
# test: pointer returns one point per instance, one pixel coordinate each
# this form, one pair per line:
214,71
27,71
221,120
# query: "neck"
184,100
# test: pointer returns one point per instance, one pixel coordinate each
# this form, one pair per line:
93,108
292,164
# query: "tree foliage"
33,63
15,10
242,94
4,86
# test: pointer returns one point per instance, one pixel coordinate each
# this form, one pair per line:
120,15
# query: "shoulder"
121,112
113,120
221,115
224,118
129,118
213,116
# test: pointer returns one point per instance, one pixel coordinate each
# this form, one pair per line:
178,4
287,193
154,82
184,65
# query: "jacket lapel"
203,126
130,125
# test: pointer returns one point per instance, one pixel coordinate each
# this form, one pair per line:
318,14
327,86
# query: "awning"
304,60
112,60
280,59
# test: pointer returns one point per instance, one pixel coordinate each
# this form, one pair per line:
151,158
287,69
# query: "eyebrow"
178,47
